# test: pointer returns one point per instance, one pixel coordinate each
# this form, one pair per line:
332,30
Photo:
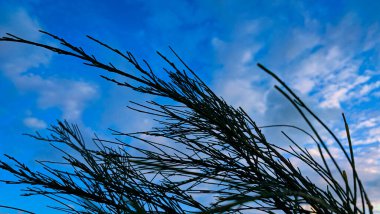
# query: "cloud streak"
34,123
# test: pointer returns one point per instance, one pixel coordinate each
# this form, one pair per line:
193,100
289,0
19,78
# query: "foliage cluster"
211,150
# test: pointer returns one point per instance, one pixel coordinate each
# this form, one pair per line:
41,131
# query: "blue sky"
328,51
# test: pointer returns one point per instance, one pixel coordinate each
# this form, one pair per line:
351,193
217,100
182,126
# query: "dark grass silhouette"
215,151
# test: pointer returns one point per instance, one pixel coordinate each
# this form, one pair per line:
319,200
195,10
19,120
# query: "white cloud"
366,89
335,94
375,132
241,92
16,59
34,123
326,67
332,73
70,96
371,122
235,80
364,128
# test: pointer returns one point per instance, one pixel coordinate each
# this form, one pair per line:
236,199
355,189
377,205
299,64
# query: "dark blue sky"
327,50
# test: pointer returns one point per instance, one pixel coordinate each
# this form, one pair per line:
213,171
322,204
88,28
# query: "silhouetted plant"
213,150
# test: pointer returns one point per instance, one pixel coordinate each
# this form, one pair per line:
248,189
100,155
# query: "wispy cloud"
332,72
235,80
34,123
325,63
70,96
